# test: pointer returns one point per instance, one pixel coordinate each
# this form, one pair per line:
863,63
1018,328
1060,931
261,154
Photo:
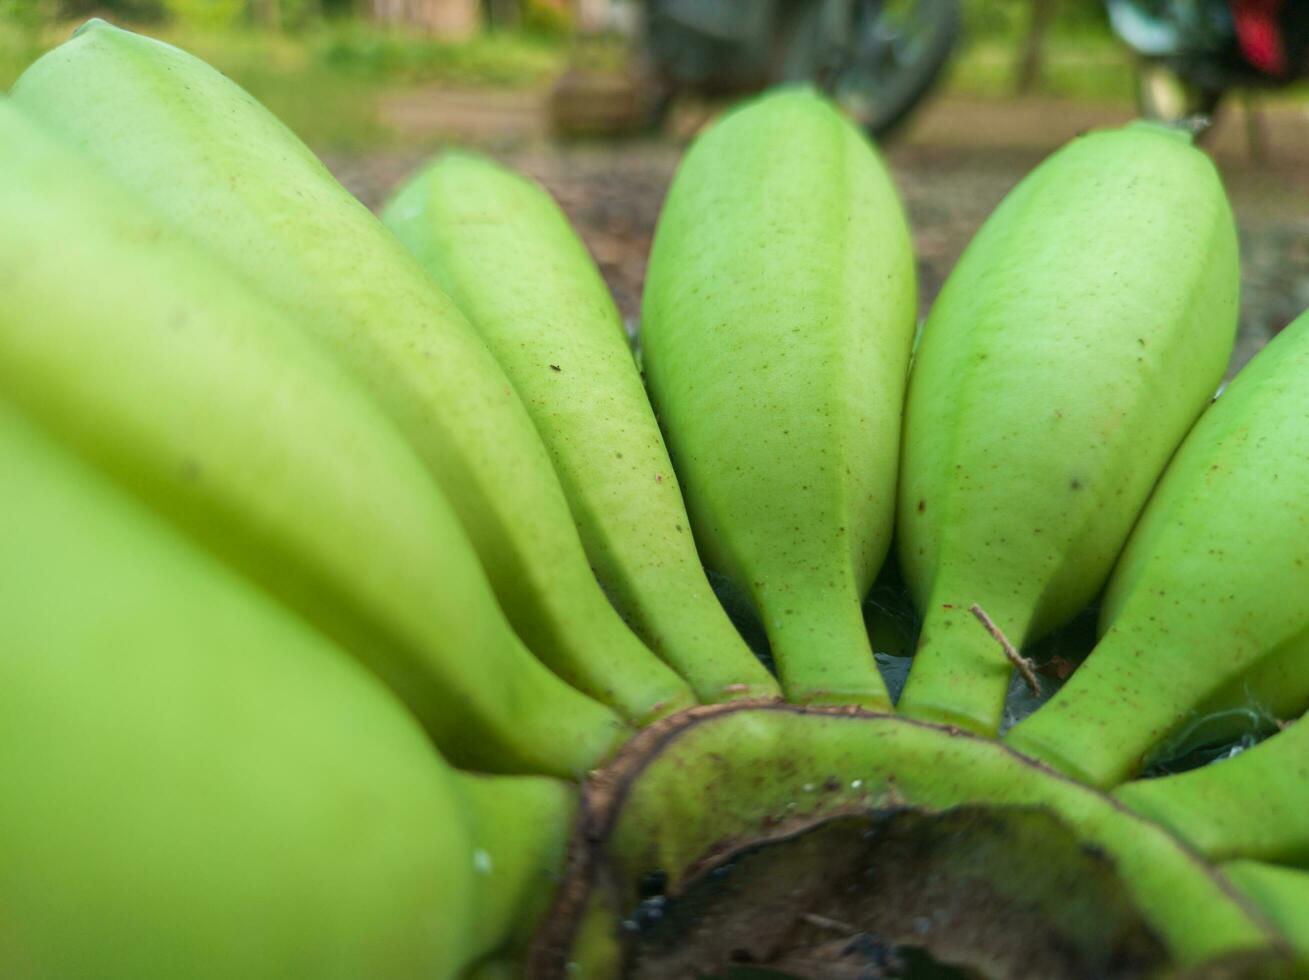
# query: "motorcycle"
878,59
1195,53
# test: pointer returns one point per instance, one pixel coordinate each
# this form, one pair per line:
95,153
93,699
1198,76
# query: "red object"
1259,34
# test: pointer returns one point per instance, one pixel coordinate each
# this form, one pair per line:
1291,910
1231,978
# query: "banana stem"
1252,806
1282,894
521,826
961,670
692,794
821,647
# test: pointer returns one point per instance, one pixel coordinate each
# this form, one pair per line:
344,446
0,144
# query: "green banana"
1282,893
1253,806
1210,586
1273,690
195,783
128,343
233,177
1069,352
520,830
503,251
777,321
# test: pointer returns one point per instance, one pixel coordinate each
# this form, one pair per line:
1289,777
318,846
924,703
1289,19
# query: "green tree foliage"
206,14
141,11
1009,19
197,14
22,13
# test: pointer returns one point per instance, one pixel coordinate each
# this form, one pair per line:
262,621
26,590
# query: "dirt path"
953,166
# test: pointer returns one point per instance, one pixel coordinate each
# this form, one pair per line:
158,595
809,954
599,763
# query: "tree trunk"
267,13
505,14
441,18
1033,53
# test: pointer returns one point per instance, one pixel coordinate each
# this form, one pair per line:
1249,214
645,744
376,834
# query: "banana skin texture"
1255,805
1069,352
500,247
776,326
1283,894
196,784
232,176
1274,688
1211,587
128,343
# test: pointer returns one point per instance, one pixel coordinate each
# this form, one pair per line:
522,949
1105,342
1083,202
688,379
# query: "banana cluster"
341,553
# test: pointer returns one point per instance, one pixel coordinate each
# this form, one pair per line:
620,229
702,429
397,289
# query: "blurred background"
597,98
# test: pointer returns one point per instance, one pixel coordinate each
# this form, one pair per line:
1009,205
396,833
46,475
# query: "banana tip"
91,24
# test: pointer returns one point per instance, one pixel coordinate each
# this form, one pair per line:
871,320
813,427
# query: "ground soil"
955,161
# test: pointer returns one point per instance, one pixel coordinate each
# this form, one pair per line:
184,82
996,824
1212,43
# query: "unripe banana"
221,167
1211,585
1271,692
196,784
128,343
1253,806
520,831
503,251
1070,350
1282,893
777,321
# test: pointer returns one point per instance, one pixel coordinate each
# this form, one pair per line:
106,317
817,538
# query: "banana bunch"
354,619
230,176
